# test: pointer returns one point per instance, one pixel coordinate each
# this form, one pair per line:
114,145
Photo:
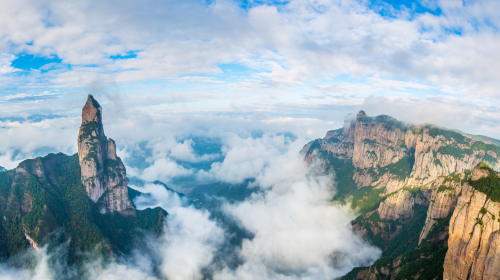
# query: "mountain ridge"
405,180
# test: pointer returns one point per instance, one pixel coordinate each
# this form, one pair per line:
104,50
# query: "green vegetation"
333,140
87,130
372,154
314,145
438,162
54,207
428,267
388,122
424,261
402,168
481,146
374,218
407,239
490,159
435,131
483,211
489,185
416,130
370,142
412,190
454,150
367,198
444,188
344,171
483,138
455,177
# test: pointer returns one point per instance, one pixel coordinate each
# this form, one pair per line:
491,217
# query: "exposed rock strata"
103,173
375,143
443,200
397,206
391,171
474,241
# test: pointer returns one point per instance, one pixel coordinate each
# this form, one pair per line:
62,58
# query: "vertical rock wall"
474,241
103,173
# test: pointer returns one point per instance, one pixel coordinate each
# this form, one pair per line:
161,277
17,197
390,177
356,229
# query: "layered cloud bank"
297,232
439,43
295,58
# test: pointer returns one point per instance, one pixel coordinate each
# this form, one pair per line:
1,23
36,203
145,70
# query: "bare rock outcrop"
378,148
397,206
445,193
474,236
103,173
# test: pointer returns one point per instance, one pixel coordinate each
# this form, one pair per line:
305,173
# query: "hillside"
405,180
51,200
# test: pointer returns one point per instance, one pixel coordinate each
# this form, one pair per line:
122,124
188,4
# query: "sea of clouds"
297,232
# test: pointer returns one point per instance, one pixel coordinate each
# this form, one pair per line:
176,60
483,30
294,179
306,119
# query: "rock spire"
103,173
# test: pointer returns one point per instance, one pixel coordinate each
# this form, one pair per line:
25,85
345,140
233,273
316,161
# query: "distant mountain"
81,199
33,118
406,181
483,138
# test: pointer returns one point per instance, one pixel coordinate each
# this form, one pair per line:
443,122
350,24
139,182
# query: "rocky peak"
103,173
360,114
479,173
91,111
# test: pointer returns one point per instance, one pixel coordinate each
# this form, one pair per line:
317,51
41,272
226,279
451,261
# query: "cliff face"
103,173
406,181
388,153
474,241
398,206
46,199
445,192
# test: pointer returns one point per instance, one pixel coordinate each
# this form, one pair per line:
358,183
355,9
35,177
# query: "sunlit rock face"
474,241
409,183
379,146
103,173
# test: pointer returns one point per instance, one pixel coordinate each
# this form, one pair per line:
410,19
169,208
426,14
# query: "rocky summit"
103,173
429,197
80,202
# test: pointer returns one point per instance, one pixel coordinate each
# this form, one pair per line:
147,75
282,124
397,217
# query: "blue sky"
420,61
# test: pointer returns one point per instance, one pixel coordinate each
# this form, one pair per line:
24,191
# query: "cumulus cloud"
245,157
5,63
299,233
294,44
192,239
164,169
446,111
28,140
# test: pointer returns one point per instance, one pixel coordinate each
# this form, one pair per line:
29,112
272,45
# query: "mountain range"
429,197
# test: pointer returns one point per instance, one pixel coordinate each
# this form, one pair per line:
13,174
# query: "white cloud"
245,157
446,111
192,239
300,43
5,63
164,169
299,233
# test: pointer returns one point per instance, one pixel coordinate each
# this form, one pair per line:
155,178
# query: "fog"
296,231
